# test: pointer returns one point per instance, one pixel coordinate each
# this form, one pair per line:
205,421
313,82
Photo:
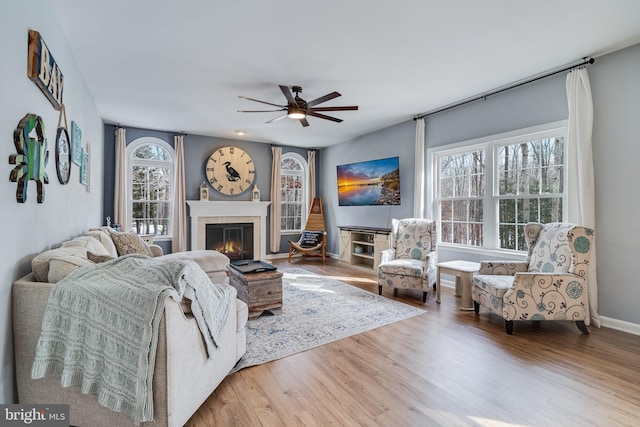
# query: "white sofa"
184,376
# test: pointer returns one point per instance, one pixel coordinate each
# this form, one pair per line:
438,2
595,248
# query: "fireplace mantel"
217,212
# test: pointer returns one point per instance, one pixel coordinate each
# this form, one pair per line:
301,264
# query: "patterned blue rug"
317,310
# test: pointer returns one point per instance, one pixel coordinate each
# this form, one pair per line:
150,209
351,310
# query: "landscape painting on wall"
374,182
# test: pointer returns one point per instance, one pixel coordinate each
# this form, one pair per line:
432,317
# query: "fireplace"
205,212
235,240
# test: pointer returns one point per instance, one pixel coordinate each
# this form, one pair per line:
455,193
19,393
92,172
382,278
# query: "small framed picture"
76,143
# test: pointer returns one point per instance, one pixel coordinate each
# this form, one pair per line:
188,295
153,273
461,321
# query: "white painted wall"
68,210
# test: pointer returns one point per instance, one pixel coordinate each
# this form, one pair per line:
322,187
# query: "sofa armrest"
156,250
503,268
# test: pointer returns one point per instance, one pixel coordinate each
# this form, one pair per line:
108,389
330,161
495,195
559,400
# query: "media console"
361,246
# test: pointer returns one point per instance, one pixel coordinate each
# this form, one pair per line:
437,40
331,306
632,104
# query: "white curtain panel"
276,188
179,242
311,160
581,178
418,192
120,190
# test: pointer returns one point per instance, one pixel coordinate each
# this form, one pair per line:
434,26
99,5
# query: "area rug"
317,310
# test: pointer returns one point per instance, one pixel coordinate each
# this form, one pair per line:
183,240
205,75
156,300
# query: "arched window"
294,182
150,170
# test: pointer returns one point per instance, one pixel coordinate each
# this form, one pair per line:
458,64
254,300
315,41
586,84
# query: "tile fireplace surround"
216,212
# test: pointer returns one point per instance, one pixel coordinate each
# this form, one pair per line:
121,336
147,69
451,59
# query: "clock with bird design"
230,170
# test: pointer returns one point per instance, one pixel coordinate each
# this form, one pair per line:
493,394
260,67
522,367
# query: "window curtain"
276,188
581,178
311,160
179,242
120,190
418,191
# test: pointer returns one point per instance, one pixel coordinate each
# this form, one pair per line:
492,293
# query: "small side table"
463,270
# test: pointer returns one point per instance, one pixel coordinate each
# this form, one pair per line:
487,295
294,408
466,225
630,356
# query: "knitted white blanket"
100,328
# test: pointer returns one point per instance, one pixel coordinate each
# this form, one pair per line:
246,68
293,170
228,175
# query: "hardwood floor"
443,367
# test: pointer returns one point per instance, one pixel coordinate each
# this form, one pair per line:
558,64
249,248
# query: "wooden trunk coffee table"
260,291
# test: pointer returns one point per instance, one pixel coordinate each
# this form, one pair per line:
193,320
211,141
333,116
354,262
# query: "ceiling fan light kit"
298,109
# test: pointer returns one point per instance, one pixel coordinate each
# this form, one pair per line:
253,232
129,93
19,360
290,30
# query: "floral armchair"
410,262
550,285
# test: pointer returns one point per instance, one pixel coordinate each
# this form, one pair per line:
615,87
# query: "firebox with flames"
233,240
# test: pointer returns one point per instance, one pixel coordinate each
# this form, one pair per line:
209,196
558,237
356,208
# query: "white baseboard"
620,325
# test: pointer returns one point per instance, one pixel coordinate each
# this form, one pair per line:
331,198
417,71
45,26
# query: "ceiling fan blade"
263,102
322,99
260,111
323,116
344,108
304,122
287,94
277,118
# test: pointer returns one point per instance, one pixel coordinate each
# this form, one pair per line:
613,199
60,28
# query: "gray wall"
615,90
398,140
196,151
68,210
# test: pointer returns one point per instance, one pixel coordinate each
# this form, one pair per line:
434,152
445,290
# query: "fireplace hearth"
204,212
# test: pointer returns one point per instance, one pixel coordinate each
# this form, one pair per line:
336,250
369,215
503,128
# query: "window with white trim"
485,191
150,169
294,182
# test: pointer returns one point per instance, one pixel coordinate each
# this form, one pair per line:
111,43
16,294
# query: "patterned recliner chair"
550,285
410,262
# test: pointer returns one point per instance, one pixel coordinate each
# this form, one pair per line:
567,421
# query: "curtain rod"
585,61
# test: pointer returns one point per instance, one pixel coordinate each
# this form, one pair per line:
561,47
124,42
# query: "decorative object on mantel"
255,194
76,143
204,191
43,70
230,170
32,157
63,149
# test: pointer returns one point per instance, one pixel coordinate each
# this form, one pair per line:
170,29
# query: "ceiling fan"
297,108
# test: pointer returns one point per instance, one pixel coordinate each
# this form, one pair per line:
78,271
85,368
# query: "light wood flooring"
444,367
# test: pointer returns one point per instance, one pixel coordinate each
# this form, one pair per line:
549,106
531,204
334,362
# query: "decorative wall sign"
76,143
84,168
31,159
43,70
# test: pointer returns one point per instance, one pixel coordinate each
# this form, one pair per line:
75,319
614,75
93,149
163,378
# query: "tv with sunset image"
374,182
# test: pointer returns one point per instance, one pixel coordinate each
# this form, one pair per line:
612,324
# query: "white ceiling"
181,65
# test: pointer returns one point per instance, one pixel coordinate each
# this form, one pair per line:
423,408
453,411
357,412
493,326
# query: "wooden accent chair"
313,240
550,285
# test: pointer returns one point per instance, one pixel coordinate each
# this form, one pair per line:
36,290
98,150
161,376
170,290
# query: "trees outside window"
484,192
293,181
150,166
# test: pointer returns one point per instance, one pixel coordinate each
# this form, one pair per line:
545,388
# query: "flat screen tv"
374,182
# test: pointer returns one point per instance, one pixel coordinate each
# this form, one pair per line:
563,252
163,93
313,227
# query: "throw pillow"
310,239
97,258
59,267
129,243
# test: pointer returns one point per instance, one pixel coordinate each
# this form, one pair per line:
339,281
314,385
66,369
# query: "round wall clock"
63,155
230,170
